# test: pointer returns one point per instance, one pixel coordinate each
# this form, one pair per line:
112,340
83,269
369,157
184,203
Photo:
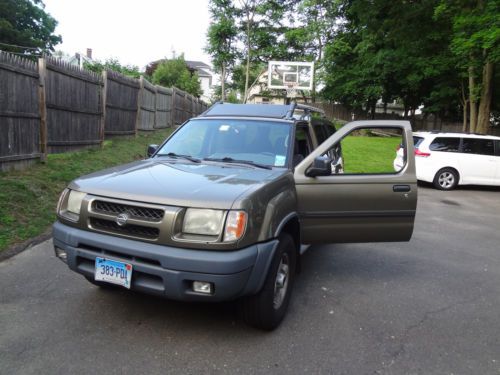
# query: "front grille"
136,212
127,230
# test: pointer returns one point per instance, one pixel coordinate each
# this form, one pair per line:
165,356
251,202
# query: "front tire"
266,309
446,179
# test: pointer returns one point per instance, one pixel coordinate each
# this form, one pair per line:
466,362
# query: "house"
79,58
205,73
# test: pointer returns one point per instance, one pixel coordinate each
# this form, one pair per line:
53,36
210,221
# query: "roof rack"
280,111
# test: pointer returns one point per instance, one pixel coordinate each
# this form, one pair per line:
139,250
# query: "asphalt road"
431,306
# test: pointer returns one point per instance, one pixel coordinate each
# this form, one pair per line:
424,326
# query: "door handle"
401,188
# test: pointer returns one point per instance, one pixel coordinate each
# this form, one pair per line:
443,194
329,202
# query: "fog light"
203,287
61,254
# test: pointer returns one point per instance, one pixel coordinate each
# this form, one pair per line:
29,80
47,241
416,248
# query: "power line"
15,45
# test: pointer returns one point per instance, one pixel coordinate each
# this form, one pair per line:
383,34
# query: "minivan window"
417,140
446,144
478,146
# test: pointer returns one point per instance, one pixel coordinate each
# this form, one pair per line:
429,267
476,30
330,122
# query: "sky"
135,32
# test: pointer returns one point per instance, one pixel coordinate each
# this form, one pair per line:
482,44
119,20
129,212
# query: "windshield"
256,141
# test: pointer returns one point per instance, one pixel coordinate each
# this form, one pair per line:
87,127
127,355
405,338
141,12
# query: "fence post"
172,112
42,102
104,89
139,104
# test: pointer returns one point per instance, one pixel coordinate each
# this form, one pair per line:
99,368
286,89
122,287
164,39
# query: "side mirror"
152,149
321,166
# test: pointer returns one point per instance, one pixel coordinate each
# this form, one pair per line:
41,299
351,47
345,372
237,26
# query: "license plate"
112,271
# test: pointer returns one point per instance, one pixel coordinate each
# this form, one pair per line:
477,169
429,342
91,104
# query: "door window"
478,146
370,151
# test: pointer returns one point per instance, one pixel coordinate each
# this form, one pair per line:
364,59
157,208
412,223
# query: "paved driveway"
431,306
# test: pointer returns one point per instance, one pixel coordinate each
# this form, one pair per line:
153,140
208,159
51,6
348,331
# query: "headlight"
70,204
236,223
203,221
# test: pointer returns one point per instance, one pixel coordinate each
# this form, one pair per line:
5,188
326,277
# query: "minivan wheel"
266,309
446,179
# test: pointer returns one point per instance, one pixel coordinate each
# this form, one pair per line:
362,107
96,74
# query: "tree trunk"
472,100
483,116
465,103
222,83
247,74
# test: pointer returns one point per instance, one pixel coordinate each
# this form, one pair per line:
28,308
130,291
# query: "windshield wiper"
187,157
231,160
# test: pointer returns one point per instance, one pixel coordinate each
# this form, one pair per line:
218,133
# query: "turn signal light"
236,223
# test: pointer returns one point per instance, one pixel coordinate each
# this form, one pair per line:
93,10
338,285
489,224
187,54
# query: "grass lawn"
369,154
29,197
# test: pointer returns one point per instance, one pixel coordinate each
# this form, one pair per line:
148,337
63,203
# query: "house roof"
197,65
203,73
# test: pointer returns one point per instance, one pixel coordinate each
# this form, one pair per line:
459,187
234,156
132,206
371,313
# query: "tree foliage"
114,65
221,39
175,73
439,54
26,28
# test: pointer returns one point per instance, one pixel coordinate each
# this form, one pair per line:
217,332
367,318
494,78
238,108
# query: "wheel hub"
281,281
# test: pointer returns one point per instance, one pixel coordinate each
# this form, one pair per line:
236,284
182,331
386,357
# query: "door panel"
358,207
477,161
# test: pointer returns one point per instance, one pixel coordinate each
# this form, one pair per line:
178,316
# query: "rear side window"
445,144
417,141
478,146
497,148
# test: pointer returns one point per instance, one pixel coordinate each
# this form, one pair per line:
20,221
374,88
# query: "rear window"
446,144
478,146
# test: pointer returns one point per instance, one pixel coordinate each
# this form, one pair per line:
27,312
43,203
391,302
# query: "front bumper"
169,271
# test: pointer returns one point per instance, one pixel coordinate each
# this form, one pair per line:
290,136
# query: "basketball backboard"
283,74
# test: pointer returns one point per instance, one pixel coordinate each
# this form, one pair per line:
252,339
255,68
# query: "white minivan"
451,159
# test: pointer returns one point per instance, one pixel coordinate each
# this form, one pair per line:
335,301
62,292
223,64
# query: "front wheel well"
292,227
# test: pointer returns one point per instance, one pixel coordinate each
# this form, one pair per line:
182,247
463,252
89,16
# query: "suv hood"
176,183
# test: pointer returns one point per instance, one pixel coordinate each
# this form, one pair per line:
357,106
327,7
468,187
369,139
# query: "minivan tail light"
422,154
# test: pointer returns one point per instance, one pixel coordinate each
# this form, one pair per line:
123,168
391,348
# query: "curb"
19,248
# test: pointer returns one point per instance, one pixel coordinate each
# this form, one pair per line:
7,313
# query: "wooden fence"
122,94
427,123
73,105
19,112
50,106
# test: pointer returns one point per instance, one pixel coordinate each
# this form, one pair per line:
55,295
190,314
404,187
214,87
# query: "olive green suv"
223,209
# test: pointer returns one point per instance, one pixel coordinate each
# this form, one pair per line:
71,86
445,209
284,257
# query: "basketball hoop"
291,90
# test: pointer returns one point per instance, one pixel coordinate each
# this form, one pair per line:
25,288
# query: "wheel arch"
291,225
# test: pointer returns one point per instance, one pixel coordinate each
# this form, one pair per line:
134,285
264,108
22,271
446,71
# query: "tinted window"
417,140
320,133
478,146
445,144
497,148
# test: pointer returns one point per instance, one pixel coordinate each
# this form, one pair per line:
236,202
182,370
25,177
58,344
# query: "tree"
221,39
26,28
114,65
175,73
476,43
380,51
